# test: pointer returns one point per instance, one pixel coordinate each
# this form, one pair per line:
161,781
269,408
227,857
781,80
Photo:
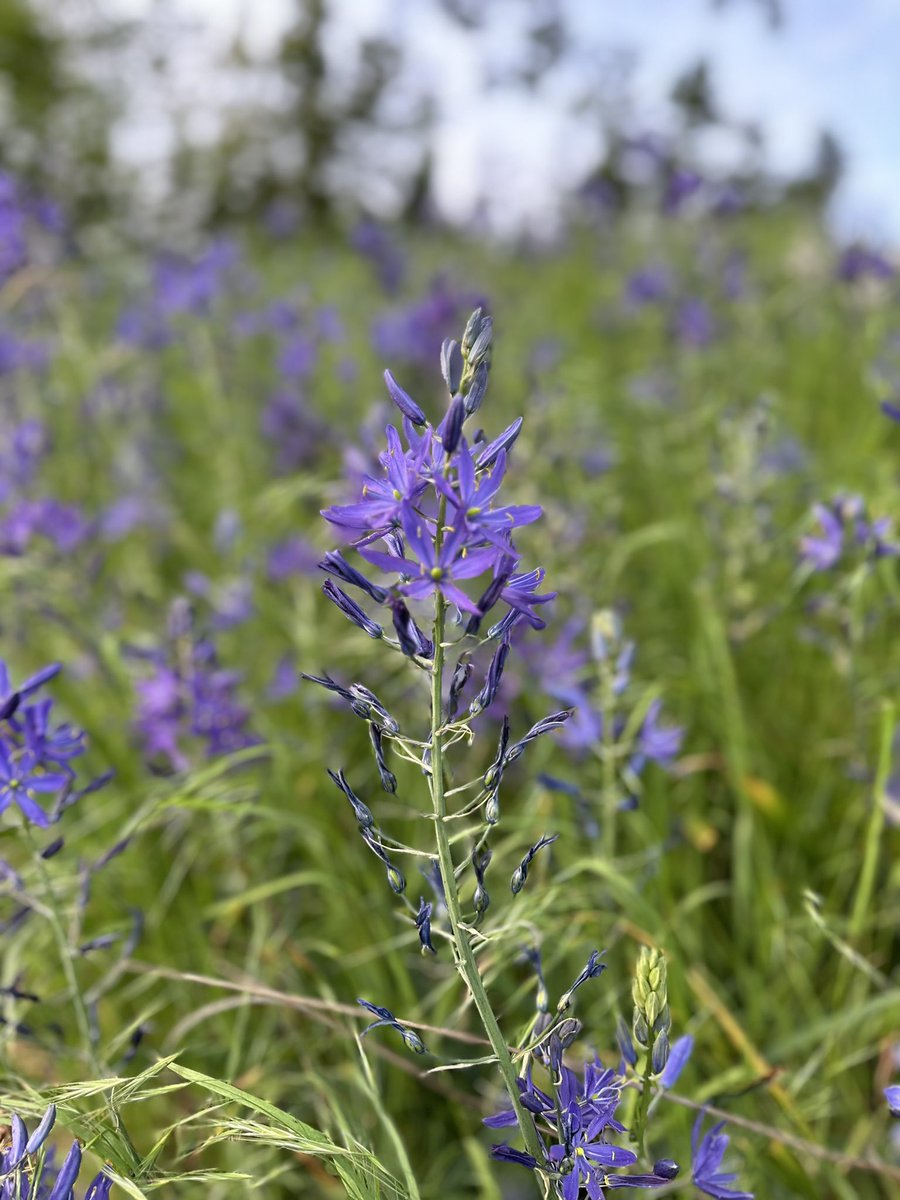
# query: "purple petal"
390,562
459,597
678,1056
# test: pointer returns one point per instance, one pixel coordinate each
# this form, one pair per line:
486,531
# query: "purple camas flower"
693,325
193,285
384,501
297,357
432,522
844,528
860,262
35,755
373,242
63,524
415,334
436,567
472,496
21,776
32,1176
649,285
707,1157
585,1110
187,697
295,433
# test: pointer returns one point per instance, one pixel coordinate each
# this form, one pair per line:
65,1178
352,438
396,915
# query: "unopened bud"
626,1045
451,364
660,1055
477,389
453,424
473,328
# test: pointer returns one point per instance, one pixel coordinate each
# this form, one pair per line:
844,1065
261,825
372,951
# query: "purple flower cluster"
28,515
845,530
373,242
24,221
180,285
190,697
596,684
435,507
861,262
17,1166
576,1124
414,334
36,755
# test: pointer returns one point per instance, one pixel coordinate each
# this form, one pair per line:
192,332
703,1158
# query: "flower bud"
481,900
453,424
626,1045
472,330
481,347
606,632
666,1168
451,364
477,389
660,1055
640,1029
404,401
42,1132
651,1010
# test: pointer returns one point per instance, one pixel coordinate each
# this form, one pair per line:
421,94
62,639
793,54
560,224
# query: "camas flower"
384,501
472,497
844,524
707,1159
437,566
586,1157
175,704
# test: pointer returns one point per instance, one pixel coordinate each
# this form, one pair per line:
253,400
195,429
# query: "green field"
678,476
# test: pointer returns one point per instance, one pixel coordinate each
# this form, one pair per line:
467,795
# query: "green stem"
608,763
55,917
465,958
643,1104
866,884
57,924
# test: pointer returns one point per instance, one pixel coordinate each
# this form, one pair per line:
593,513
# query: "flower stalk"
462,946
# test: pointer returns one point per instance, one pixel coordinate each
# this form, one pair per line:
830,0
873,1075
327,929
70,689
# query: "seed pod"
396,879
568,1030
388,778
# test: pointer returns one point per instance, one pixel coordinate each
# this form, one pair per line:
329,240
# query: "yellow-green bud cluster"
651,1006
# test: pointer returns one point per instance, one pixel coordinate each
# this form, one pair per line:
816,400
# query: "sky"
833,64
